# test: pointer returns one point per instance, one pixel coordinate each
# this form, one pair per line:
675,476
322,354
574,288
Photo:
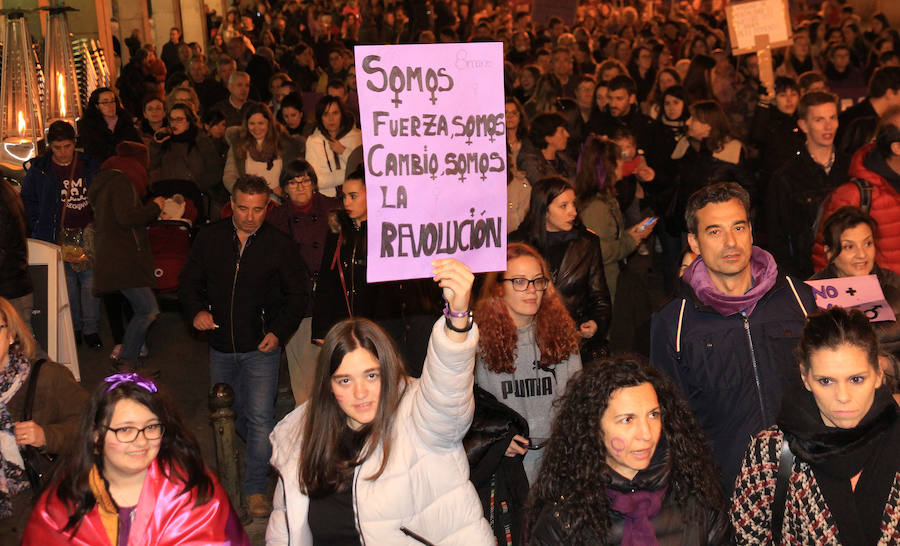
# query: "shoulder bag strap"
32,387
62,215
336,262
785,466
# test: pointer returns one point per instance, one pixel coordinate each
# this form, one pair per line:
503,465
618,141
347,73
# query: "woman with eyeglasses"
105,124
52,426
303,215
527,352
575,259
135,475
528,348
182,151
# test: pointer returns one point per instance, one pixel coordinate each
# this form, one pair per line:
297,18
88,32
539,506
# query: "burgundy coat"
308,230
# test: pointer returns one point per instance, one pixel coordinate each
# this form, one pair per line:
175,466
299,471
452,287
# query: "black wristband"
470,320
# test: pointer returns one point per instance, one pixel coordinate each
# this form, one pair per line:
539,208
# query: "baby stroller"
171,234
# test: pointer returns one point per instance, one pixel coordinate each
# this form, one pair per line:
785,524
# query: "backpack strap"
796,295
865,193
785,467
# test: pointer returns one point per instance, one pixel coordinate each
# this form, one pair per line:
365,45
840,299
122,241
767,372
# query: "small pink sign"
862,292
434,151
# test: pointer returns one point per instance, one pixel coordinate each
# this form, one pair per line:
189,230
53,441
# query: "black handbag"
38,465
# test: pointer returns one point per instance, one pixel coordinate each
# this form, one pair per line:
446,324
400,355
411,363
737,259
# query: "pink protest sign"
434,152
863,293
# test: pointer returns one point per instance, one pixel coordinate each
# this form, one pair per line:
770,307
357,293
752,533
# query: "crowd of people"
649,368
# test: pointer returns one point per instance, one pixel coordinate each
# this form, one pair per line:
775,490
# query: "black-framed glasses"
106,101
176,120
521,284
299,180
126,435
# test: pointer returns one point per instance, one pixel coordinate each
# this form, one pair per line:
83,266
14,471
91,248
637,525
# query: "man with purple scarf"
727,337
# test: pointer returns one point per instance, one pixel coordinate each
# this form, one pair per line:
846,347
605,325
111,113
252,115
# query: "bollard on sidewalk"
221,398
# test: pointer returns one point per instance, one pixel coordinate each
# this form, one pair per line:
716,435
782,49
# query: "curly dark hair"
574,463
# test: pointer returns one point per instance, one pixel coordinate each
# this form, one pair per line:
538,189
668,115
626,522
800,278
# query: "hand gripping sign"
863,293
434,153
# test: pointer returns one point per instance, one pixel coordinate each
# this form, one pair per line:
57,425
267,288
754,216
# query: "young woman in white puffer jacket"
375,456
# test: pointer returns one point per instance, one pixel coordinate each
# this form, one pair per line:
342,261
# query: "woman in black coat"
405,309
105,124
575,258
706,155
626,463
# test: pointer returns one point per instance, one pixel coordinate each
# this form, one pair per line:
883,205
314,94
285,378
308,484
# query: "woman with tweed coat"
843,431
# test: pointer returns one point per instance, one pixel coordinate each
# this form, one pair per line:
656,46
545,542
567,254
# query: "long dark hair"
696,81
656,93
324,466
179,454
574,463
93,110
346,117
534,226
15,208
710,112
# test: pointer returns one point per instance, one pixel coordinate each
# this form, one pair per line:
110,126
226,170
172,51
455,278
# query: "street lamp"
61,96
21,123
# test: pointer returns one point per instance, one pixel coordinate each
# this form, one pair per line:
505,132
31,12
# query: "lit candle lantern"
21,122
61,97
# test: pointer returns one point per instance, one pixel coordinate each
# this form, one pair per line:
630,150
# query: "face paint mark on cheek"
617,444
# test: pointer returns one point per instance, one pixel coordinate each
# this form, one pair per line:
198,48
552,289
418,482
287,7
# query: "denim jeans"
84,306
254,378
143,301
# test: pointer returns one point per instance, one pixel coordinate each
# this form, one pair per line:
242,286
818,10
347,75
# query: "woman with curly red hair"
528,348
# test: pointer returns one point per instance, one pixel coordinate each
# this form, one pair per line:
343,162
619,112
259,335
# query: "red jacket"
162,517
885,210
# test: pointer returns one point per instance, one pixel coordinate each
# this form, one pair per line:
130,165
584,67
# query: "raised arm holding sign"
434,149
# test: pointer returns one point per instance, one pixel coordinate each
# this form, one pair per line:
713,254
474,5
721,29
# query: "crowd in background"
664,208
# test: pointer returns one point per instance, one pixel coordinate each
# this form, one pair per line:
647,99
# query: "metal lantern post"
21,123
61,93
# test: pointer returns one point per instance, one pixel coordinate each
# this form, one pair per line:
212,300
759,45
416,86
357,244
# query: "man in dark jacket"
55,195
727,337
246,284
798,188
169,54
884,93
623,112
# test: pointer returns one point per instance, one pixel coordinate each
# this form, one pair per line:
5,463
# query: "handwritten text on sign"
434,144
863,293
748,20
